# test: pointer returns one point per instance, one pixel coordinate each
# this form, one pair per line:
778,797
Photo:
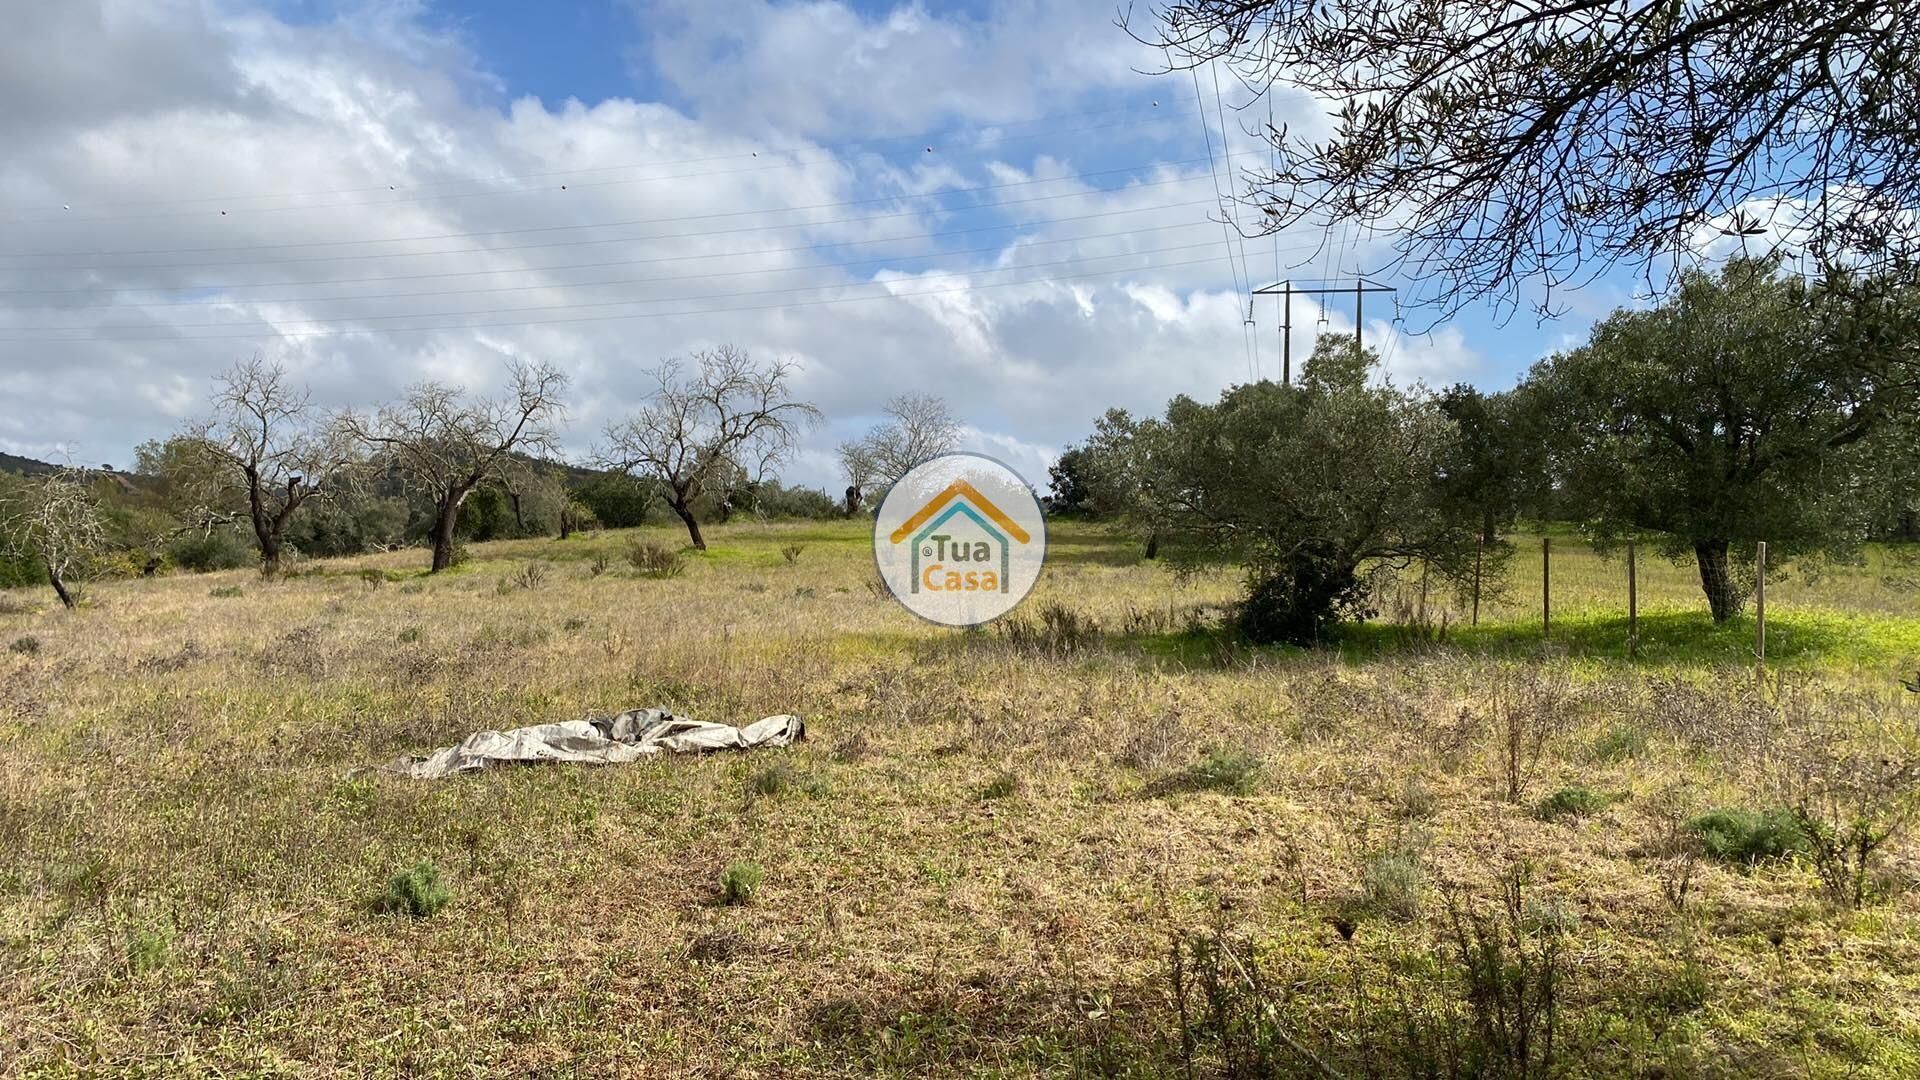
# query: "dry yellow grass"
975,866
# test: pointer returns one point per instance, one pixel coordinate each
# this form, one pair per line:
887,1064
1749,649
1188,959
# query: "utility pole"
1286,290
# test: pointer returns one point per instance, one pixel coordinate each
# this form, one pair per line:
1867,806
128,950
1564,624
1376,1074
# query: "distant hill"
25,465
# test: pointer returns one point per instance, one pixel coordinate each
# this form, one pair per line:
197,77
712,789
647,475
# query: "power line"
609,318
230,301
928,235
1225,233
645,300
672,219
225,201
1232,210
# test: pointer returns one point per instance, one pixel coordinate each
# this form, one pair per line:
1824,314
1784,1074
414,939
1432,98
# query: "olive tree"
1313,486
1718,419
709,423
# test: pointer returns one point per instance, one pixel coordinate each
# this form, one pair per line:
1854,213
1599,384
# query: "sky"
995,202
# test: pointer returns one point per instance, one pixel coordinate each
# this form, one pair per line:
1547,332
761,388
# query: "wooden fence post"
1546,587
1760,606
1633,607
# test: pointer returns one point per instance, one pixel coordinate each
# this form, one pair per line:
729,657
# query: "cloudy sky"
988,201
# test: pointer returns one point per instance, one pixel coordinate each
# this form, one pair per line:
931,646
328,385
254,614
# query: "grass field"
980,860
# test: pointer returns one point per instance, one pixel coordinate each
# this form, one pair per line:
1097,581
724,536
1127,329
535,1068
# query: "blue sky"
985,201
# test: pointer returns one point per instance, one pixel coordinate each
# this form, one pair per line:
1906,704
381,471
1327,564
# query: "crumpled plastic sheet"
616,740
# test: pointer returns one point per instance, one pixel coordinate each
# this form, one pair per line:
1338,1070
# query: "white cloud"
315,138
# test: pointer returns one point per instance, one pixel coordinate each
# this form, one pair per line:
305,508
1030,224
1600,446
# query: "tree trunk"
60,587
443,523
269,554
1489,528
693,526
1716,579
1153,544
853,500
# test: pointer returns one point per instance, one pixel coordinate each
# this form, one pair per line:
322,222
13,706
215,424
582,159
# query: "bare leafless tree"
1509,147
856,462
55,520
918,428
450,441
267,437
720,413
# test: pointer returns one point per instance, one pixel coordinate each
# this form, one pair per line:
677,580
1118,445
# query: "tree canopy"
1505,147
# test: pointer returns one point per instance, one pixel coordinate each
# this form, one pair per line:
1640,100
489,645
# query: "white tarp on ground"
617,740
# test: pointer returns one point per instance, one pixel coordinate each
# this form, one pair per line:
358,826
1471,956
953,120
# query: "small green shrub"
411,635
655,560
1571,802
1735,835
1228,770
598,564
373,577
459,555
148,950
739,881
1391,882
1003,786
25,646
791,553
416,891
226,592
1619,743
220,549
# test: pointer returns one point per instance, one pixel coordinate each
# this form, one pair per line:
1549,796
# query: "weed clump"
226,592
1571,802
1227,770
655,560
148,950
417,892
1003,786
791,553
1748,837
25,646
1619,743
1391,882
738,882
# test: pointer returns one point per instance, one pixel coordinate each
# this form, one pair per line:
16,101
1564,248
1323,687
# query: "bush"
416,891
1391,882
1575,801
654,560
25,646
1299,600
147,950
1748,837
739,881
221,549
791,553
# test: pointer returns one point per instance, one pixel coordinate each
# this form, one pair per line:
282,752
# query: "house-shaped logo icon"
960,539
957,559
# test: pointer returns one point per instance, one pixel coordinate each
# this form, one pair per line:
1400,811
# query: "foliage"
1575,801
1308,484
654,560
739,882
1739,835
617,500
215,549
1683,420
417,891
1506,148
